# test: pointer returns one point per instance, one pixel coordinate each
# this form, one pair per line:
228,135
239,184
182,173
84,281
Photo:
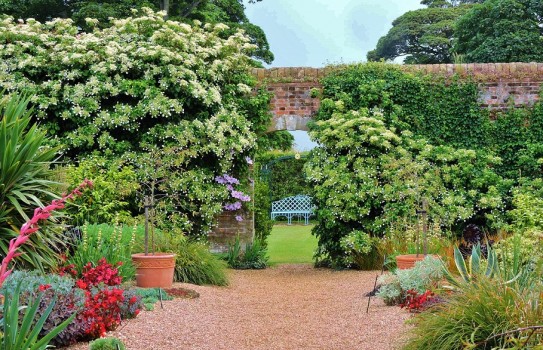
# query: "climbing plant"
444,111
369,177
389,138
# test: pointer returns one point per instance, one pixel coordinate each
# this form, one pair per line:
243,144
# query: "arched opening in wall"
286,194
302,142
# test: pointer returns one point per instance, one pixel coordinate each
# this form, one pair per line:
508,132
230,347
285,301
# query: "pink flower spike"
21,240
29,231
31,226
6,274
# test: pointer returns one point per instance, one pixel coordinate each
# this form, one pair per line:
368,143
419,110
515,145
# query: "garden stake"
160,297
375,283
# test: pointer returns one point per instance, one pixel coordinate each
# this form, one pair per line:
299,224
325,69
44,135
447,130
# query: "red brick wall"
500,84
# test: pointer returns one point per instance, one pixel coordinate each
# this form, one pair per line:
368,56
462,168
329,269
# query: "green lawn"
291,244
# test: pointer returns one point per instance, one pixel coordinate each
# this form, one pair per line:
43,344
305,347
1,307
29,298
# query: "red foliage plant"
103,300
416,302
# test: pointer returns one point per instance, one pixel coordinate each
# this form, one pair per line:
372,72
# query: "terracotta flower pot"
154,270
408,261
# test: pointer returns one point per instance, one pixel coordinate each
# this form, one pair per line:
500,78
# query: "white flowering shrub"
369,177
144,85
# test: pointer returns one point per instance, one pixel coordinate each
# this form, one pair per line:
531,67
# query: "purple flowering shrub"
237,196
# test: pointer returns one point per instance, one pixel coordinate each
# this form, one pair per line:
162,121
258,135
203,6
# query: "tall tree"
423,36
501,31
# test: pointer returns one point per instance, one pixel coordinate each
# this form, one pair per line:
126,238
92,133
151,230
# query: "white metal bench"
290,207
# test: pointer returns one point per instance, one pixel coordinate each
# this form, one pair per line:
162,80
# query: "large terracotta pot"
408,261
154,270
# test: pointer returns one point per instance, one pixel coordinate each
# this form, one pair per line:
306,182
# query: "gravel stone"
282,307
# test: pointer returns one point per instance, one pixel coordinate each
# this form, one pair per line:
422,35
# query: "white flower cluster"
141,68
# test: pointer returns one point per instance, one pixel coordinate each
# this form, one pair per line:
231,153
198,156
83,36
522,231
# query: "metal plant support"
424,215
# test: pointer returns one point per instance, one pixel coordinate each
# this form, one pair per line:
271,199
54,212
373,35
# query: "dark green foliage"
283,173
254,256
41,10
501,31
106,344
428,107
24,181
519,141
283,177
278,140
424,36
444,113
262,209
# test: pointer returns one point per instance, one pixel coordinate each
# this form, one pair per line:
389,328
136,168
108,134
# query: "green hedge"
390,139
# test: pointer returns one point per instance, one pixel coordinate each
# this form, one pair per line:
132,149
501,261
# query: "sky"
314,33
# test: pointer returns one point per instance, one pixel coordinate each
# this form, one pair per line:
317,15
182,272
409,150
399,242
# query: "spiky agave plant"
475,267
24,183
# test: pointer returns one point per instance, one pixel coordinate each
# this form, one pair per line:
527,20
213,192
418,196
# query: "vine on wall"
375,117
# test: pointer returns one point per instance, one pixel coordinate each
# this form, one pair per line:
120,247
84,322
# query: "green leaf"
461,265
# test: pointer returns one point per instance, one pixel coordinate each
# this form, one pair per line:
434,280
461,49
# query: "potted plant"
153,269
407,261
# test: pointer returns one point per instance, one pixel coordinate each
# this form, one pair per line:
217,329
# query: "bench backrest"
295,204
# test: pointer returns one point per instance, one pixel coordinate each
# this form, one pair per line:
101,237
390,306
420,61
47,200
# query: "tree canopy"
229,12
475,30
448,3
501,31
423,36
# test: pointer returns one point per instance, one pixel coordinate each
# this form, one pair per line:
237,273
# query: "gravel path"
283,307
